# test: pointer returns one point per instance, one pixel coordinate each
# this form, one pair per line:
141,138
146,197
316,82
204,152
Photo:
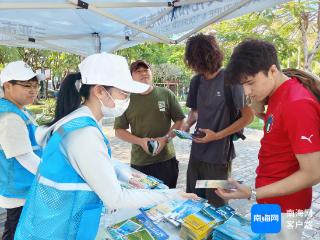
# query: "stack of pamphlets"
199,225
136,228
156,213
236,228
226,211
188,207
148,182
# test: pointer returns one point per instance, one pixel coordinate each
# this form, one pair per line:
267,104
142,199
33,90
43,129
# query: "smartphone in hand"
198,134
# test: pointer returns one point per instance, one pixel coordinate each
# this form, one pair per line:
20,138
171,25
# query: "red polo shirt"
292,126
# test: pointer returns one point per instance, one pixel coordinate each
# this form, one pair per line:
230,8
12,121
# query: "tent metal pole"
24,39
35,5
22,43
40,5
213,20
69,37
146,4
97,42
124,22
188,2
81,36
147,26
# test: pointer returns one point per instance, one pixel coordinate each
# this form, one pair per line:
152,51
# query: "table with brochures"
177,219
173,220
126,214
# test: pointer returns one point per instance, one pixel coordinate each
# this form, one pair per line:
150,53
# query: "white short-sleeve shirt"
14,141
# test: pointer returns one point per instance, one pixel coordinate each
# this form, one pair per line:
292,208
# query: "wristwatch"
253,195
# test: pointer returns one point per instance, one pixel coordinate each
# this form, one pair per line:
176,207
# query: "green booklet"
137,227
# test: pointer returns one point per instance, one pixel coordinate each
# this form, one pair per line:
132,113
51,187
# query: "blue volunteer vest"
61,205
15,180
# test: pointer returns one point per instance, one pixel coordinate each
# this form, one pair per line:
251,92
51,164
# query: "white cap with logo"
109,70
19,71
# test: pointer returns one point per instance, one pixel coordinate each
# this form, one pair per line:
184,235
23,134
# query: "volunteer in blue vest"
19,152
76,176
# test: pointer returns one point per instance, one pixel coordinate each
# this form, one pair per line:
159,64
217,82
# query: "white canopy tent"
85,27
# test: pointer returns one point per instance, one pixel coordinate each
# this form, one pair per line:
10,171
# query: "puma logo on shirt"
307,138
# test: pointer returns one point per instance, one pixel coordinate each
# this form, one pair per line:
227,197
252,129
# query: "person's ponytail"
69,98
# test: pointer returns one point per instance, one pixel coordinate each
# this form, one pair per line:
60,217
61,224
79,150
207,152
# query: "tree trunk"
304,24
317,42
46,89
308,57
299,57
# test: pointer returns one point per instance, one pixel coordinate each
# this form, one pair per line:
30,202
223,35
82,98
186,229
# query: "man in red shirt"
289,157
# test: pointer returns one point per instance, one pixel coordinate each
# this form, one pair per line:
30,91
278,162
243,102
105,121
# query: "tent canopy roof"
86,27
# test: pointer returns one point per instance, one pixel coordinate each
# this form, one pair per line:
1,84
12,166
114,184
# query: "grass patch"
256,124
43,111
36,109
185,110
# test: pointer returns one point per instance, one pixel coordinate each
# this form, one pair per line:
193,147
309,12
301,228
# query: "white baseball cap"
109,70
20,71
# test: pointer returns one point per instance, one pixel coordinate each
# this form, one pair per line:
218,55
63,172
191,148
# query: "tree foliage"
293,27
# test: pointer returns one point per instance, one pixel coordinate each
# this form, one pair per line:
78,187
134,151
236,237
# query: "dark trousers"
167,171
198,170
13,215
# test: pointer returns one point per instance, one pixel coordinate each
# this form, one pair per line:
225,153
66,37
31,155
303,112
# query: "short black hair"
203,53
138,64
249,58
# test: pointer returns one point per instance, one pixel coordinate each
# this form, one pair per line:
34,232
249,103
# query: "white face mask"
120,106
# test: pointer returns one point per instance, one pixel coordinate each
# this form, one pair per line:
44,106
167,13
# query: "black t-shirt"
214,114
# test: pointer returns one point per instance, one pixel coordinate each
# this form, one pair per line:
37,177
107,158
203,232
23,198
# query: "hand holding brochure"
189,136
225,184
182,134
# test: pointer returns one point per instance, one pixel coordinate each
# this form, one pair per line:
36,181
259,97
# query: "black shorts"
198,170
167,171
13,215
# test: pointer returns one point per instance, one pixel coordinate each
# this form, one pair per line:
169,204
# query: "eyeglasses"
29,87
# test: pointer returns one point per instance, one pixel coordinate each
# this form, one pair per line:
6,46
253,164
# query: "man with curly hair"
211,155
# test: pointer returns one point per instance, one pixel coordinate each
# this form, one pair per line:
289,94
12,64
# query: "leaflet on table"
157,212
226,211
148,182
138,227
236,228
200,225
185,209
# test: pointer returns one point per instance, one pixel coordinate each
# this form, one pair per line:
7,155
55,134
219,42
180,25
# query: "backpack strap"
197,85
308,79
234,113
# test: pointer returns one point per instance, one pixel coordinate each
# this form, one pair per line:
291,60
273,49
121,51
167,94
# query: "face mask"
120,106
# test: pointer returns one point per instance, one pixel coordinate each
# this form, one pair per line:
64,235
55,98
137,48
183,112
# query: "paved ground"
243,169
